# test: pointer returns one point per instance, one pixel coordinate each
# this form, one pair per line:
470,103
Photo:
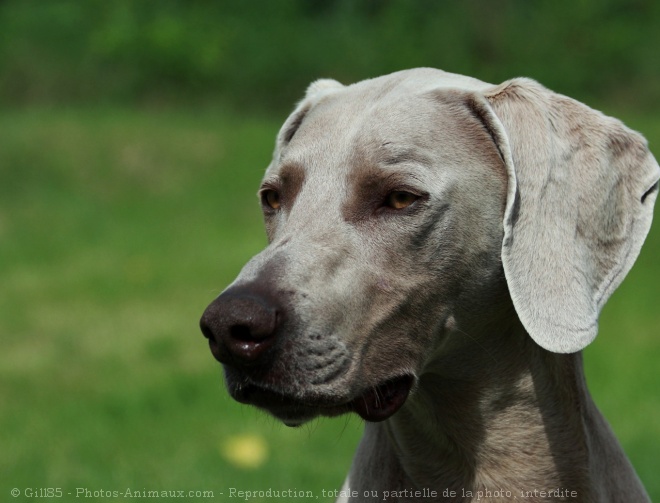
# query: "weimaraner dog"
440,249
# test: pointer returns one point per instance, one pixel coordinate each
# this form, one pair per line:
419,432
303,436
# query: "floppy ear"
579,206
315,92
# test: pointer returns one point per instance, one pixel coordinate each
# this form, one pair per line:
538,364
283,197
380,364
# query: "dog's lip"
382,401
290,410
377,403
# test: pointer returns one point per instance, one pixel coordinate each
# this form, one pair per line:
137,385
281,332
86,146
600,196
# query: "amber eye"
400,199
271,198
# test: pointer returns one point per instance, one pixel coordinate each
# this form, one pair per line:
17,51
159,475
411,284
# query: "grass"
116,229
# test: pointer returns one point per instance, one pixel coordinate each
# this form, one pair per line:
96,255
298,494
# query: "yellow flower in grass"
245,451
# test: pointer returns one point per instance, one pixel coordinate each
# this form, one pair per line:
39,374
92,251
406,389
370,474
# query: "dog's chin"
376,403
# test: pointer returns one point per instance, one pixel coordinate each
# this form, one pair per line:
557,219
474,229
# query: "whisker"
474,339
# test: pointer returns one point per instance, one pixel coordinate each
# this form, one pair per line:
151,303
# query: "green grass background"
117,228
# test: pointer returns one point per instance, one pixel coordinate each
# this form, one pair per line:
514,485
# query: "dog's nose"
240,327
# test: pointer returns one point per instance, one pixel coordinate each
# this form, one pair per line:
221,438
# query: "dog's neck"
488,415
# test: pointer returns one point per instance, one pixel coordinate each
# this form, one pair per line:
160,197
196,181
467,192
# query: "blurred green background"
133,135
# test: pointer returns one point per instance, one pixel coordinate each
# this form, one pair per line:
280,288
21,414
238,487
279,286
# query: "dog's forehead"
371,112
379,125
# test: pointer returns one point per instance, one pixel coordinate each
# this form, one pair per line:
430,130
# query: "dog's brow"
292,173
288,174
390,154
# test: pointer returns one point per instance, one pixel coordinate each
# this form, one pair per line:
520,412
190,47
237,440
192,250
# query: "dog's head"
406,209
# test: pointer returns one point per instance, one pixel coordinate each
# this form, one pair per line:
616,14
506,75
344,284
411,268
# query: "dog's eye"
271,198
399,199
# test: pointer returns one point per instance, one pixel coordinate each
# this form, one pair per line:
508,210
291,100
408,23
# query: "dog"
439,251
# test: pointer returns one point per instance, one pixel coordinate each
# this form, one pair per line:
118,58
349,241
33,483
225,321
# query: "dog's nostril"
248,342
241,333
206,331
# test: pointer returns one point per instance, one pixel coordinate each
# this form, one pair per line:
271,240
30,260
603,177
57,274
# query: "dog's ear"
315,92
579,206
322,86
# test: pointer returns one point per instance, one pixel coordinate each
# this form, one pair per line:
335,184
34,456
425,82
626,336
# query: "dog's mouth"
381,402
377,403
